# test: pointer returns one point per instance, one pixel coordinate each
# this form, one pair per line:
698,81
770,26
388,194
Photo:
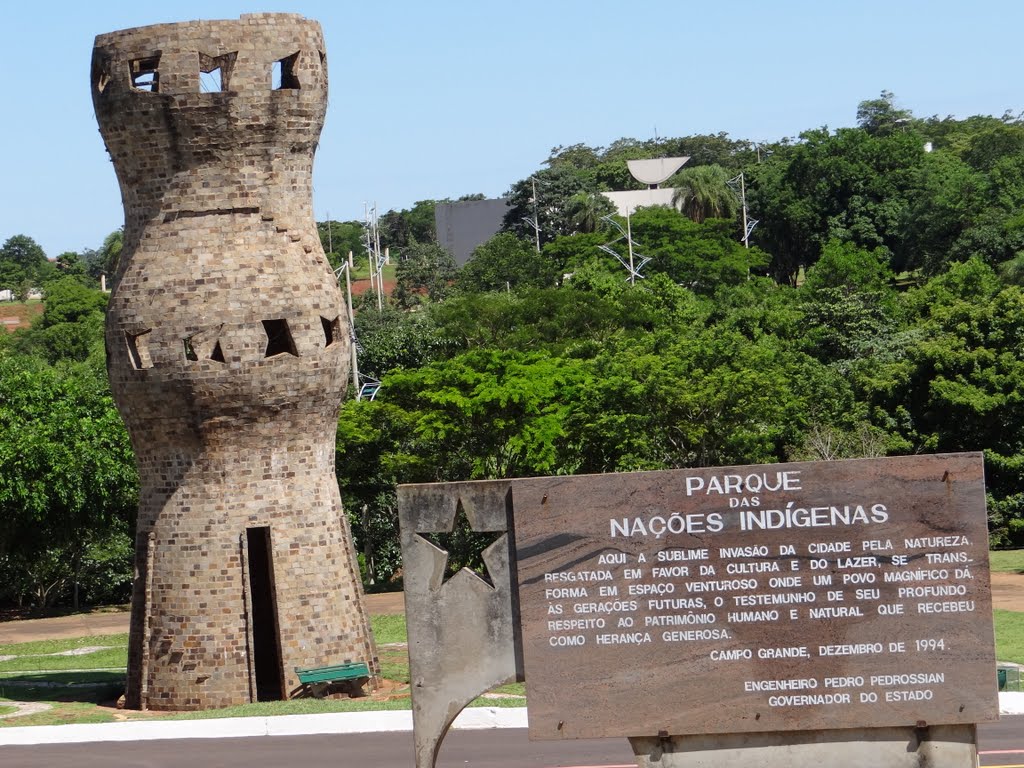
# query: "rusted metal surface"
788,597
883,563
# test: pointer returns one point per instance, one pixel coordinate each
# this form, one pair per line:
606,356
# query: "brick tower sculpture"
227,342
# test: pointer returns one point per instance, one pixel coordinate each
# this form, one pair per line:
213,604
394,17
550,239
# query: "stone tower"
227,342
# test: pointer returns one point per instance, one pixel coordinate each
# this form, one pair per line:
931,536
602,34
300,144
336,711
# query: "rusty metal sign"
762,598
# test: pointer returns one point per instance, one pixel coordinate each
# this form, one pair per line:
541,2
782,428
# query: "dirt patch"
25,708
63,627
362,285
389,603
13,630
14,316
1008,591
30,613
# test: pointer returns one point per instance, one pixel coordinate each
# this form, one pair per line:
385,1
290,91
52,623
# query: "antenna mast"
748,223
535,221
371,239
636,261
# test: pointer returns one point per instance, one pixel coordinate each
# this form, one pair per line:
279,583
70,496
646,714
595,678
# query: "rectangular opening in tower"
215,72
138,349
190,350
279,338
211,81
145,73
266,650
332,330
283,73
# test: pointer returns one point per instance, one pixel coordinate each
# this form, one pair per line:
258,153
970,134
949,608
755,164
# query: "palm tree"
1012,271
585,210
703,192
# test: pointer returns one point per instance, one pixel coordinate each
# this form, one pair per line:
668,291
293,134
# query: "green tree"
947,197
703,193
375,454
395,339
1013,270
339,238
488,413
881,116
853,186
844,265
607,166
1006,182
110,254
505,261
533,319
585,210
71,325
400,229
577,156
704,256
424,272
849,306
70,264
955,383
711,149
68,479
92,261
991,144
552,208
23,265
706,398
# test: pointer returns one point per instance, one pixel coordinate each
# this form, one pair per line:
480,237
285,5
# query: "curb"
1011,703
475,718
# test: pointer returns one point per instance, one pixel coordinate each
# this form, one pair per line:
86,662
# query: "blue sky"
445,98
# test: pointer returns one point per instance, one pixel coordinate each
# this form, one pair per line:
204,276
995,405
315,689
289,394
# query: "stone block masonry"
228,348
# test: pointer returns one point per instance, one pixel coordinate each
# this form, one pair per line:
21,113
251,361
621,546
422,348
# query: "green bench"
352,675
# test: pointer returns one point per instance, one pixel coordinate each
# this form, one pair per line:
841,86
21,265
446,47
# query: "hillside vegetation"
878,311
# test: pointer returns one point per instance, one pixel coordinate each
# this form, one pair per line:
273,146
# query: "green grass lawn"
45,647
98,677
323,706
388,629
46,686
361,270
294,707
74,695
1009,636
1007,561
39,656
108,658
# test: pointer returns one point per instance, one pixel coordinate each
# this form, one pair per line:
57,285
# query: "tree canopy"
23,265
879,311
875,314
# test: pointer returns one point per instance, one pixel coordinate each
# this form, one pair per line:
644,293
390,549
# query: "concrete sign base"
937,746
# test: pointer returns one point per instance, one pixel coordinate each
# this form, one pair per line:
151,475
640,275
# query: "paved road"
1002,743
508,748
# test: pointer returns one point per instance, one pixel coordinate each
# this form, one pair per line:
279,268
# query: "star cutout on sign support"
469,547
